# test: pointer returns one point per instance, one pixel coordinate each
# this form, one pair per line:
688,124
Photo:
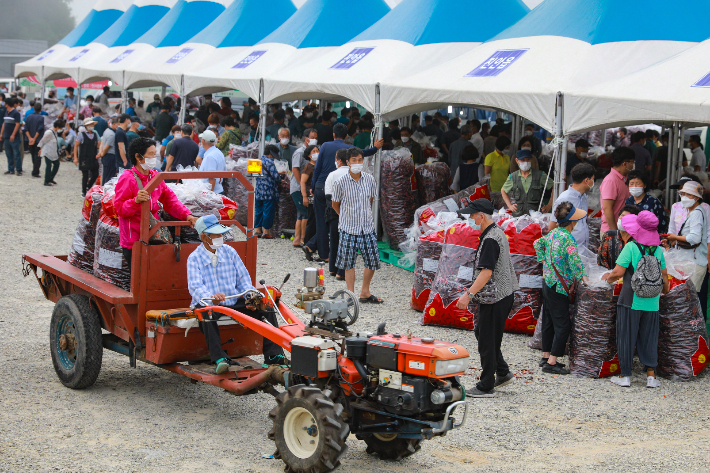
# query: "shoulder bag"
685,245
162,236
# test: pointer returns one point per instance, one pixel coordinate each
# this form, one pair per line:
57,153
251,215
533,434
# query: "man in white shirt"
213,160
697,156
476,139
331,217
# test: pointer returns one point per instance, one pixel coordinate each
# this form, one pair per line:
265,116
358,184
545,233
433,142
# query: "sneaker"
475,392
504,380
543,361
276,360
222,366
653,382
623,381
557,368
19,173
9,172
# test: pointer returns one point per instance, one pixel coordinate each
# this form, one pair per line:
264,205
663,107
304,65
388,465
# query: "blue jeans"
264,213
14,156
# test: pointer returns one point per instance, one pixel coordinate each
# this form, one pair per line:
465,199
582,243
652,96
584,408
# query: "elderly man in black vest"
527,187
494,283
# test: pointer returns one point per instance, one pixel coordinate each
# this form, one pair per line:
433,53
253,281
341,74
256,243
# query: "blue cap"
524,154
210,224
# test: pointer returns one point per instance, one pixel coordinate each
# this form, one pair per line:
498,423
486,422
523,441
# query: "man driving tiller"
215,271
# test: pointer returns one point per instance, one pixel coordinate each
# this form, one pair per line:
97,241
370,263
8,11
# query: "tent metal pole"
262,119
560,178
378,159
183,101
78,100
603,144
163,92
124,94
43,87
669,166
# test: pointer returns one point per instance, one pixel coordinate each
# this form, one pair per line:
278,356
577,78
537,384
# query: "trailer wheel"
390,446
75,342
308,430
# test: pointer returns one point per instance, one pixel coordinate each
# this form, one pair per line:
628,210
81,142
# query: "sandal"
340,278
267,237
371,300
309,254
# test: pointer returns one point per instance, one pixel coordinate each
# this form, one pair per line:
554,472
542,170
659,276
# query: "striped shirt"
229,276
355,207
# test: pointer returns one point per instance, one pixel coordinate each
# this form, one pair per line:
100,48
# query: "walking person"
10,134
297,163
309,162
86,155
561,268
637,316
49,150
34,129
106,154
494,283
352,198
267,193
331,217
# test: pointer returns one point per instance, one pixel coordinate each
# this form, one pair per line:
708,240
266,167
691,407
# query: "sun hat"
89,121
642,227
693,188
210,224
574,215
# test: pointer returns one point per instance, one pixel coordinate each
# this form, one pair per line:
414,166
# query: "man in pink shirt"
614,190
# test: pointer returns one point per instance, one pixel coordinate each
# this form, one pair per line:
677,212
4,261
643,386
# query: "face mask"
312,142
526,148
333,120
592,187
314,157
636,191
216,243
506,151
405,139
89,104
583,155
150,163
309,115
177,135
618,225
528,133
524,166
472,224
618,135
285,141
687,202
142,127
356,168
90,129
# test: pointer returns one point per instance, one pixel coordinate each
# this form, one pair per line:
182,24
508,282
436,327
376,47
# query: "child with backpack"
643,267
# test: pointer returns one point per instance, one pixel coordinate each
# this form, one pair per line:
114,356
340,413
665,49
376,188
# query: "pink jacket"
129,213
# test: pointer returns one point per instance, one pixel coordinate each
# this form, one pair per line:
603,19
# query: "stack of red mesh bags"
425,267
452,203
398,194
83,245
109,263
454,276
594,221
285,212
433,182
235,190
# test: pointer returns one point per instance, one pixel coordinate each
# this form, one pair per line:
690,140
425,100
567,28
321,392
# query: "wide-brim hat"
574,215
642,227
693,188
89,121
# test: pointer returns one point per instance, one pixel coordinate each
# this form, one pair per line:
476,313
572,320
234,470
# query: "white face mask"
356,168
526,148
590,189
314,157
618,225
583,155
687,202
333,119
309,115
217,243
636,191
405,139
524,166
150,163
285,141
528,133
506,151
312,142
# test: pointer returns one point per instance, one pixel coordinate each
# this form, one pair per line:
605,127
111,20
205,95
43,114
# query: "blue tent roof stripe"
237,25
323,23
420,22
609,21
95,23
132,24
180,23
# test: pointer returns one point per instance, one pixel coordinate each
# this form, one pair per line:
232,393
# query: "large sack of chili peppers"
433,181
452,203
83,245
236,191
425,267
109,263
453,278
594,222
398,194
683,339
196,196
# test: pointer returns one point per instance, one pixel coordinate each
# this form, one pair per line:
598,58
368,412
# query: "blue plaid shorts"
347,251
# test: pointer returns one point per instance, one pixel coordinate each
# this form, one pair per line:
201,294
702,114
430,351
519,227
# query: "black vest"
88,152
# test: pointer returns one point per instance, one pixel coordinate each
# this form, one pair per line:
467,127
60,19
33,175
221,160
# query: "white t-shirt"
697,158
334,176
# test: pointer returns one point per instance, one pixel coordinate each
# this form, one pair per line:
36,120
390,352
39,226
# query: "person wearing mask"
131,110
307,116
494,282
581,151
87,111
132,132
413,147
130,194
155,106
638,185
561,268
49,150
651,144
231,136
416,123
476,138
332,219
213,160
109,163
325,128
121,141
294,125
226,106
266,194
183,151
352,198
34,129
12,137
101,124
525,143
497,164
697,154
458,146
69,102
254,124
298,162
614,190
470,170
163,123
643,157
345,115
582,182
637,318
279,118
308,164
86,155
620,138
536,142
286,149
102,101
528,187
612,243
175,133
692,238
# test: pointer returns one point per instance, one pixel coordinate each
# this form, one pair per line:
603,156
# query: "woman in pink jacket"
142,154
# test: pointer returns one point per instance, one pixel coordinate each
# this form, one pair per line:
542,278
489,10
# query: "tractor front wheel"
391,446
309,430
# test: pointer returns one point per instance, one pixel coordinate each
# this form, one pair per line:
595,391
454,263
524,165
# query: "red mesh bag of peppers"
425,267
451,203
84,242
398,194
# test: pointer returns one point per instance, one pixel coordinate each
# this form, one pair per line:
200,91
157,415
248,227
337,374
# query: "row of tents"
568,65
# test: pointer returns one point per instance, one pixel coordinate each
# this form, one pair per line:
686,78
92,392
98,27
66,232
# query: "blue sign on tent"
497,63
249,60
79,55
704,82
179,55
353,58
45,54
122,56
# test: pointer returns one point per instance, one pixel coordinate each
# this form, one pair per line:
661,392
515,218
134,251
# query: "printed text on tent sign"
704,82
45,54
497,63
178,56
79,55
122,56
353,58
249,60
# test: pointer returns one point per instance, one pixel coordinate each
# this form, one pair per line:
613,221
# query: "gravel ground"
146,419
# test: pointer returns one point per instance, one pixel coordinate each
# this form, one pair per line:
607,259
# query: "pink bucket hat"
642,227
